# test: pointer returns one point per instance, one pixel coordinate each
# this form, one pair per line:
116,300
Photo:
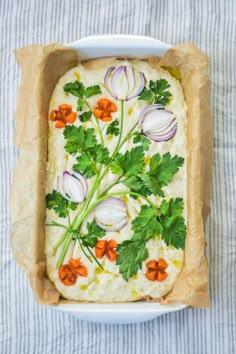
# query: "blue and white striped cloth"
28,328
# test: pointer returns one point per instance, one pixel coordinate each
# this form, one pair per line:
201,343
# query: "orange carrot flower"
63,115
156,270
104,109
104,247
68,273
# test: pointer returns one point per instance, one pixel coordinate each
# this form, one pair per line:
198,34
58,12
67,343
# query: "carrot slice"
152,265
65,106
101,244
151,275
161,275
67,275
53,115
106,119
103,103
112,244
60,124
111,255
162,263
100,252
98,112
74,263
82,271
70,279
112,107
71,117
78,267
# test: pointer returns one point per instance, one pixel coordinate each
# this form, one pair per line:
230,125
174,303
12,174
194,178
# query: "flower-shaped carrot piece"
68,273
78,267
156,270
63,115
104,247
104,109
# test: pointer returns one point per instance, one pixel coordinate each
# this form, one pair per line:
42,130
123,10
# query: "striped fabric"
28,328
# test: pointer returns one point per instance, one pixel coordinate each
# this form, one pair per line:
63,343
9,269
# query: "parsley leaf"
146,95
161,171
59,204
146,225
84,117
85,166
172,221
75,88
101,154
136,184
132,162
80,104
140,138
131,254
86,161
78,139
157,92
78,89
83,141
92,90
113,128
94,233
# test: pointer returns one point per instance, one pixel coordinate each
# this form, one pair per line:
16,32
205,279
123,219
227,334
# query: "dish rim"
142,310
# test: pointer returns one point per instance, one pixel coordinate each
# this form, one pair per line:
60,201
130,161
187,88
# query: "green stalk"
112,185
82,248
64,250
96,122
99,264
58,225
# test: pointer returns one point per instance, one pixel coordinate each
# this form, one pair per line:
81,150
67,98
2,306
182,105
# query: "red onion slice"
72,187
120,82
82,180
140,87
157,123
111,214
107,81
60,187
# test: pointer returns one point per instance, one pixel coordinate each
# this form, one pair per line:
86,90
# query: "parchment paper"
41,68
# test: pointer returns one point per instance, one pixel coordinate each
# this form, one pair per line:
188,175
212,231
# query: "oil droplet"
135,276
83,287
130,111
98,270
77,75
147,160
135,294
110,137
66,157
125,199
174,72
177,263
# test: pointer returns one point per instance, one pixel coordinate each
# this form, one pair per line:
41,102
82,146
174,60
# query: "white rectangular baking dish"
119,313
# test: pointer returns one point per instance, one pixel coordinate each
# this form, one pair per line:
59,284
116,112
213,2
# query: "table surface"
29,328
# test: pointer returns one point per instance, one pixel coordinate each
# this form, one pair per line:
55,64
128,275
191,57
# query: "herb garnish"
157,92
166,222
59,204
